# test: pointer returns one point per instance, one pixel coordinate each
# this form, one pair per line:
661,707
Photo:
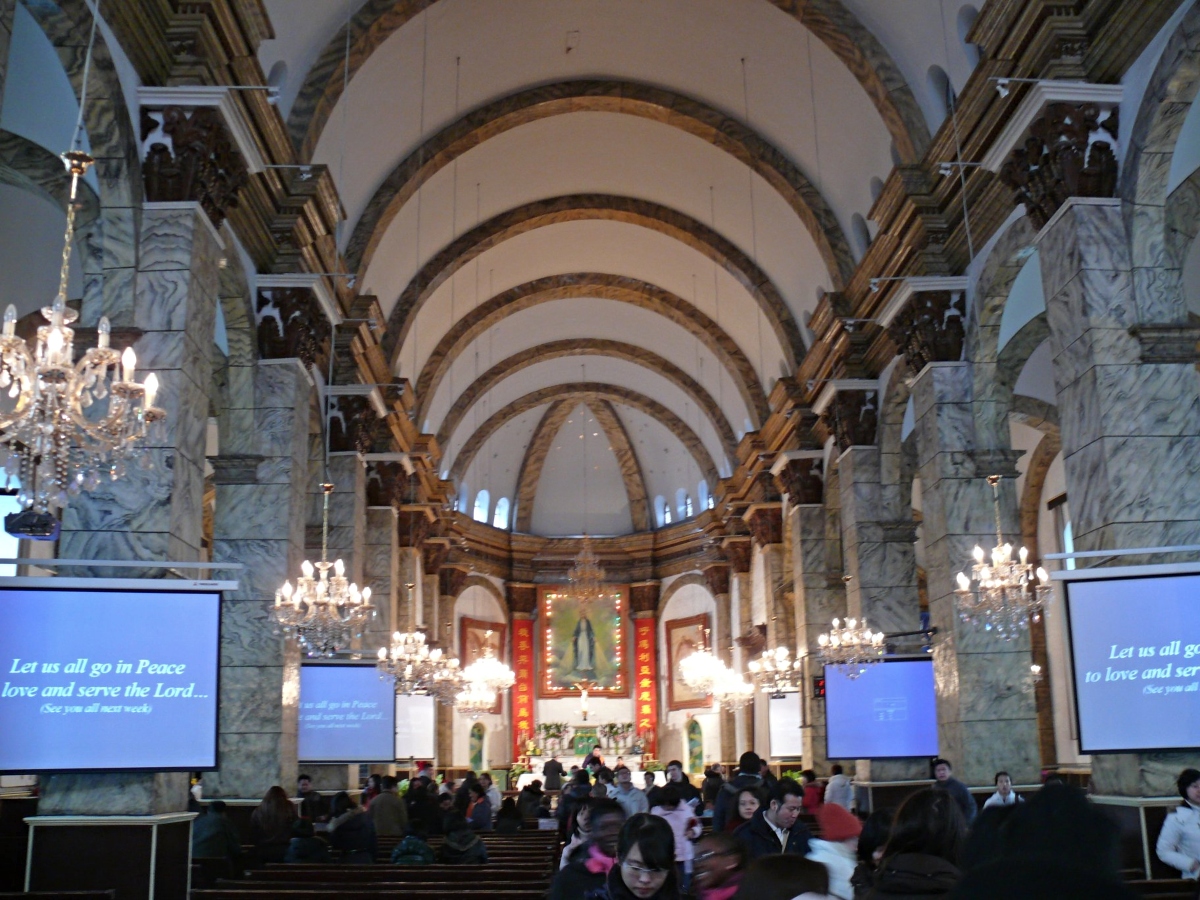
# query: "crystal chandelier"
59,440
586,576
489,672
701,670
731,691
416,668
1005,595
325,613
475,700
850,647
776,673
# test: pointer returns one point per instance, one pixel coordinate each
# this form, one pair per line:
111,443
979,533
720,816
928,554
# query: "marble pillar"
347,513
7,10
259,521
412,587
820,595
381,574
153,512
1130,420
717,578
987,719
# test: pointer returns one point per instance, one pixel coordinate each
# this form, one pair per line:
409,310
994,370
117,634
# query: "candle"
128,363
151,386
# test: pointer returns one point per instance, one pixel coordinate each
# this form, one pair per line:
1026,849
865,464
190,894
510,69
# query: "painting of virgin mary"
582,643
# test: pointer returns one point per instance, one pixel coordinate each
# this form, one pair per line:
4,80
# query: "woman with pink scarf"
719,862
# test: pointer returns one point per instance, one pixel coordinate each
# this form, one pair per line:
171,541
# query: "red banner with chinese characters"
645,683
522,694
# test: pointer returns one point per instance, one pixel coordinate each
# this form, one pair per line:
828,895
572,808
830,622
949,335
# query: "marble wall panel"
251,698
247,637
113,794
251,763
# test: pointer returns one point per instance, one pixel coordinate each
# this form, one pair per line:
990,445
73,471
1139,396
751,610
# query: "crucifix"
583,695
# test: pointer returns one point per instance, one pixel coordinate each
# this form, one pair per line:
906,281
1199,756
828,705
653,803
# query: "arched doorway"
476,755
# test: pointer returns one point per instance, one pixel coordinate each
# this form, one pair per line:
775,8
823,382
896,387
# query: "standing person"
713,779
871,841
313,806
774,828
688,792
684,825
388,812
593,758
423,810
530,799
572,794
479,813
839,789
837,848
1005,795
581,831
552,771
271,824
508,817
631,799
1179,841
748,801
718,866
648,782
644,869
813,792
943,774
351,831
371,790
749,767
921,855
591,861
493,792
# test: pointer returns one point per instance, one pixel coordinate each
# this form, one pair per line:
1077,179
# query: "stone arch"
1143,187
488,585
573,347
584,391
691,578
830,22
582,207
605,287
539,447
895,469
685,113
33,168
1182,209
1047,449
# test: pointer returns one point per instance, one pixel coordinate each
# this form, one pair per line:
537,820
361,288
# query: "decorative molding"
643,596
765,521
235,469
849,412
738,551
315,283
1041,95
918,284
930,328
716,576
291,324
1168,344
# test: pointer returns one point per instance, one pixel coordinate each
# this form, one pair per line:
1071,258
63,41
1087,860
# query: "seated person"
462,846
305,846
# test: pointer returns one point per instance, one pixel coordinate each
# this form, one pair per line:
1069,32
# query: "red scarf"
597,863
725,891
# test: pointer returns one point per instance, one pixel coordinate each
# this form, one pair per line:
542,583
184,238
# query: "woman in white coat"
1179,841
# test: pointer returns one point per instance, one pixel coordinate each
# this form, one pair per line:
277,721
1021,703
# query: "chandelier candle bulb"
128,364
151,387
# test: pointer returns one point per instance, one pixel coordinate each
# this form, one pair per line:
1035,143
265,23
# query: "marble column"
717,578
738,550
820,596
154,512
765,521
1130,416
259,521
987,720
381,574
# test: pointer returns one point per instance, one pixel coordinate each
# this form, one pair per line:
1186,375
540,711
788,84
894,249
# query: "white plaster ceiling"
745,58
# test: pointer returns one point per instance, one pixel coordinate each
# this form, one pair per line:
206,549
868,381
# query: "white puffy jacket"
1179,841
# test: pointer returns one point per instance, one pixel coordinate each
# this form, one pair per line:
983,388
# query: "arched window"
688,507
500,518
702,493
681,499
482,504
464,497
660,510
862,234
666,515
966,21
940,89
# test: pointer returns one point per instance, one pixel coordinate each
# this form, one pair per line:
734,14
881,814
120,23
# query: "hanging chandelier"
475,700
322,613
489,672
586,576
1005,595
416,668
850,647
701,670
67,424
731,691
776,673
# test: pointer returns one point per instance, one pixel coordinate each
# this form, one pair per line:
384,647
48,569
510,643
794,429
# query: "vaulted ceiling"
598,228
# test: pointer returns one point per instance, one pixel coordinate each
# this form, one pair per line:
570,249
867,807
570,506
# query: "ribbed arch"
628,98
589,347
584,392
607,287
609,207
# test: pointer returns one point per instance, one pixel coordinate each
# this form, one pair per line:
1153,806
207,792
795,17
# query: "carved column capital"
765,521
643,596
738,550
413,524
924,319
522,597
801,475
716,575
849,411
291,324
451,580
386,482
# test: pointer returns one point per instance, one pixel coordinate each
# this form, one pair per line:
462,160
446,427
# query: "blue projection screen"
347,715
1135,656
108,680
889,711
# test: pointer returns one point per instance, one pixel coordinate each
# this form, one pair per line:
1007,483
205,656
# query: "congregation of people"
749,836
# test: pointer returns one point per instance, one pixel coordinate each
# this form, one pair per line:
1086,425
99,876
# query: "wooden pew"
58,895
342,893
379,872
1165,888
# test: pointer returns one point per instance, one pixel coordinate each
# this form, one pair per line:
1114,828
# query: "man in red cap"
837,848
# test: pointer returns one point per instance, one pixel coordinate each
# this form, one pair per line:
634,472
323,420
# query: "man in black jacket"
688,792
590,862
748,777
774,828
